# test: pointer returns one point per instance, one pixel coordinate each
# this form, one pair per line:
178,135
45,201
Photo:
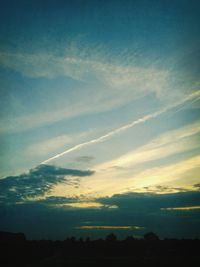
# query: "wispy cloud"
183,174
170,143
114,84
125,127
81,68
167,174
119,73
52,115
138,175
47,146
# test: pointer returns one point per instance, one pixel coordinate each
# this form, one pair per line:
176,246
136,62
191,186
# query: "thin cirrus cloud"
81,107
102,70
172,173
150,180
126,75
107,177
170,143
48,145
111,91
139,177
78,68
126,127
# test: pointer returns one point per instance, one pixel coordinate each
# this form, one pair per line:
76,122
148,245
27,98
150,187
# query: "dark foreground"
15,250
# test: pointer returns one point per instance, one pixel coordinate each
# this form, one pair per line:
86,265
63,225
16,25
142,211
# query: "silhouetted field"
17,251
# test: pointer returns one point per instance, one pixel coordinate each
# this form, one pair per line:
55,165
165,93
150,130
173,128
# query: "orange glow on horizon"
183,208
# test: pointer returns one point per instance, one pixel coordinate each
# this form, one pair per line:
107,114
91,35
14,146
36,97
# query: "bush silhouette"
151,237
111,238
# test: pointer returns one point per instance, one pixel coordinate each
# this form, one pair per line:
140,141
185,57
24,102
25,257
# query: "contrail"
125,127
183,106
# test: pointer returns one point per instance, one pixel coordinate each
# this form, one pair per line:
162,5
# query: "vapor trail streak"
125,127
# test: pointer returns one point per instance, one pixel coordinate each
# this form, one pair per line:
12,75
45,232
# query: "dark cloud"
147,210
37,182
197,186
117,167
52,170
143,201
43,219
56,200
49,218
85,159
159,189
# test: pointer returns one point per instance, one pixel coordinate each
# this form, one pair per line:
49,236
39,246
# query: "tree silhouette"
111,238
112,252
151,237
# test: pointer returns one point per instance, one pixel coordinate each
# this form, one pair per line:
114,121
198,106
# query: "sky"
100,126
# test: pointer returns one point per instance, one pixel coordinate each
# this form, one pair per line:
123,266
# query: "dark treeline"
17,251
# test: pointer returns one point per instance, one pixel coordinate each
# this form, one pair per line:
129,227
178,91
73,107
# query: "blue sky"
106,95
